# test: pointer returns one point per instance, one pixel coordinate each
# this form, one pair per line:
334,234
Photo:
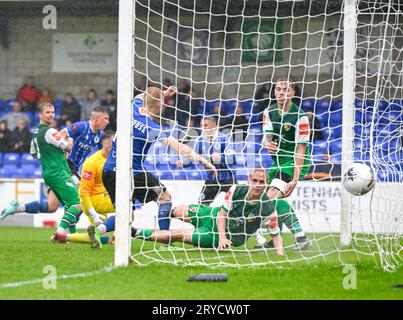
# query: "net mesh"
224,57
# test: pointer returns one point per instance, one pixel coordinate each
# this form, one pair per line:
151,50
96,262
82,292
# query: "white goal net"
225,58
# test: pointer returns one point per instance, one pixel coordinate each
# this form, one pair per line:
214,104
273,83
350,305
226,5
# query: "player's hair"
252,171
152,96
212,119
290,81
108,135
99,109
44,105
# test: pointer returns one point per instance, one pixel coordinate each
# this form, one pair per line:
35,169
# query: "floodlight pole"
349,81
124,132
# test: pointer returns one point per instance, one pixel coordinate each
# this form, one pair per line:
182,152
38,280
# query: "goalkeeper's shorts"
102,204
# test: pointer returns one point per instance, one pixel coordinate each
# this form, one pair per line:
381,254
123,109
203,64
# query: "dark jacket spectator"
110,103
20,139
70,110
28,96
14,116
140,86
4,136
91,101
240,123
314,124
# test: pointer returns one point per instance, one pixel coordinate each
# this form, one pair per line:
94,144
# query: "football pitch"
28,260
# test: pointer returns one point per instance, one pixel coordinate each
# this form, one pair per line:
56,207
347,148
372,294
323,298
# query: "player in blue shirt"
84,136
147,108
215,146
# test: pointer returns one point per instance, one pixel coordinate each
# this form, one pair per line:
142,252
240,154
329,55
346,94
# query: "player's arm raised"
187,152
53,137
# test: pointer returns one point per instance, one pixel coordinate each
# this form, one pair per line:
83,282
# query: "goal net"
224,57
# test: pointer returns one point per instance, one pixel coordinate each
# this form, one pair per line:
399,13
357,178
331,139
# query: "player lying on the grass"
86,135
246,209
147,108
286,136
94,199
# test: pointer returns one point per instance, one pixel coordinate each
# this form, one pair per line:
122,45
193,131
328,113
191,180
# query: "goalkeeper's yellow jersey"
91,175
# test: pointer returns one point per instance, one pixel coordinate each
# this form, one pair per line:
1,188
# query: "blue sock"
163,215
110,224
36,206
104,240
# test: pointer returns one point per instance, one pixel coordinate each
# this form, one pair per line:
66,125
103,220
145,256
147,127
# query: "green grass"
317,274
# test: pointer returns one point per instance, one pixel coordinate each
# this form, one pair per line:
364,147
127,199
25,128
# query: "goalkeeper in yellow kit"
94,198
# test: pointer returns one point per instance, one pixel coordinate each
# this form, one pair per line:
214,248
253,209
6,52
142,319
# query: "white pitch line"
62,277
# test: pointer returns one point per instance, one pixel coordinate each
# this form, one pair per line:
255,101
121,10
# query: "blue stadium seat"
9,104
336,105
308,104
11,158
37,173
208,107
9,170
27,170
228,106
1,159
27,158
247,107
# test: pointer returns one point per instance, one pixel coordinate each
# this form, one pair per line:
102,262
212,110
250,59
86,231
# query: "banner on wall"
84,52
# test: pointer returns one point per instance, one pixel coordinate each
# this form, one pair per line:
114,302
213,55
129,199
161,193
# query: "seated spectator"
20,139
189,133
14,116
70,111
324,170
224,121
264,93
45,97
28,96
316,128
240,123
4,136
140,86
91,101
110,103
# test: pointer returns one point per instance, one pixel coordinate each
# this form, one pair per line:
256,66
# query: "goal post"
349,82
124,132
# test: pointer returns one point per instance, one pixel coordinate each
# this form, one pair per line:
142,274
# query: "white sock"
299,234
21,207
101,229
259,237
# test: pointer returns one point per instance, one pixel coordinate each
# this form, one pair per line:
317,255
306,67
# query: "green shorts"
65,190
288,169
203,218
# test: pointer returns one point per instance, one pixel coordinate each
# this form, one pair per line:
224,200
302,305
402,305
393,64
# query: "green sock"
145,234
70,218
287,216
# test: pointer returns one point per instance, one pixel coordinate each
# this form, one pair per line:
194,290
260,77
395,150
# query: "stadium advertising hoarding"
84,52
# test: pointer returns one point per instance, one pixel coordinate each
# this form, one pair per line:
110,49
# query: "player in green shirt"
286,136
50,147
246,209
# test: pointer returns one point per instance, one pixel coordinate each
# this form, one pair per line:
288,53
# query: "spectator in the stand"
14,116
91,102
183,102
28,95
215,147
20,139
324,170
190,133
4,136
111,105
140,86
70,111
169,112
239,122
224,121
45,97
264,95
314,124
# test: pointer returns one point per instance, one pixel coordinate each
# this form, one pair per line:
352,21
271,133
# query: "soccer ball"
358,179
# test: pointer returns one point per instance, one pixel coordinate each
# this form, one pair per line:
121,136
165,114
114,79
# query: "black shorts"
147,187
73,169
212,188
109,181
